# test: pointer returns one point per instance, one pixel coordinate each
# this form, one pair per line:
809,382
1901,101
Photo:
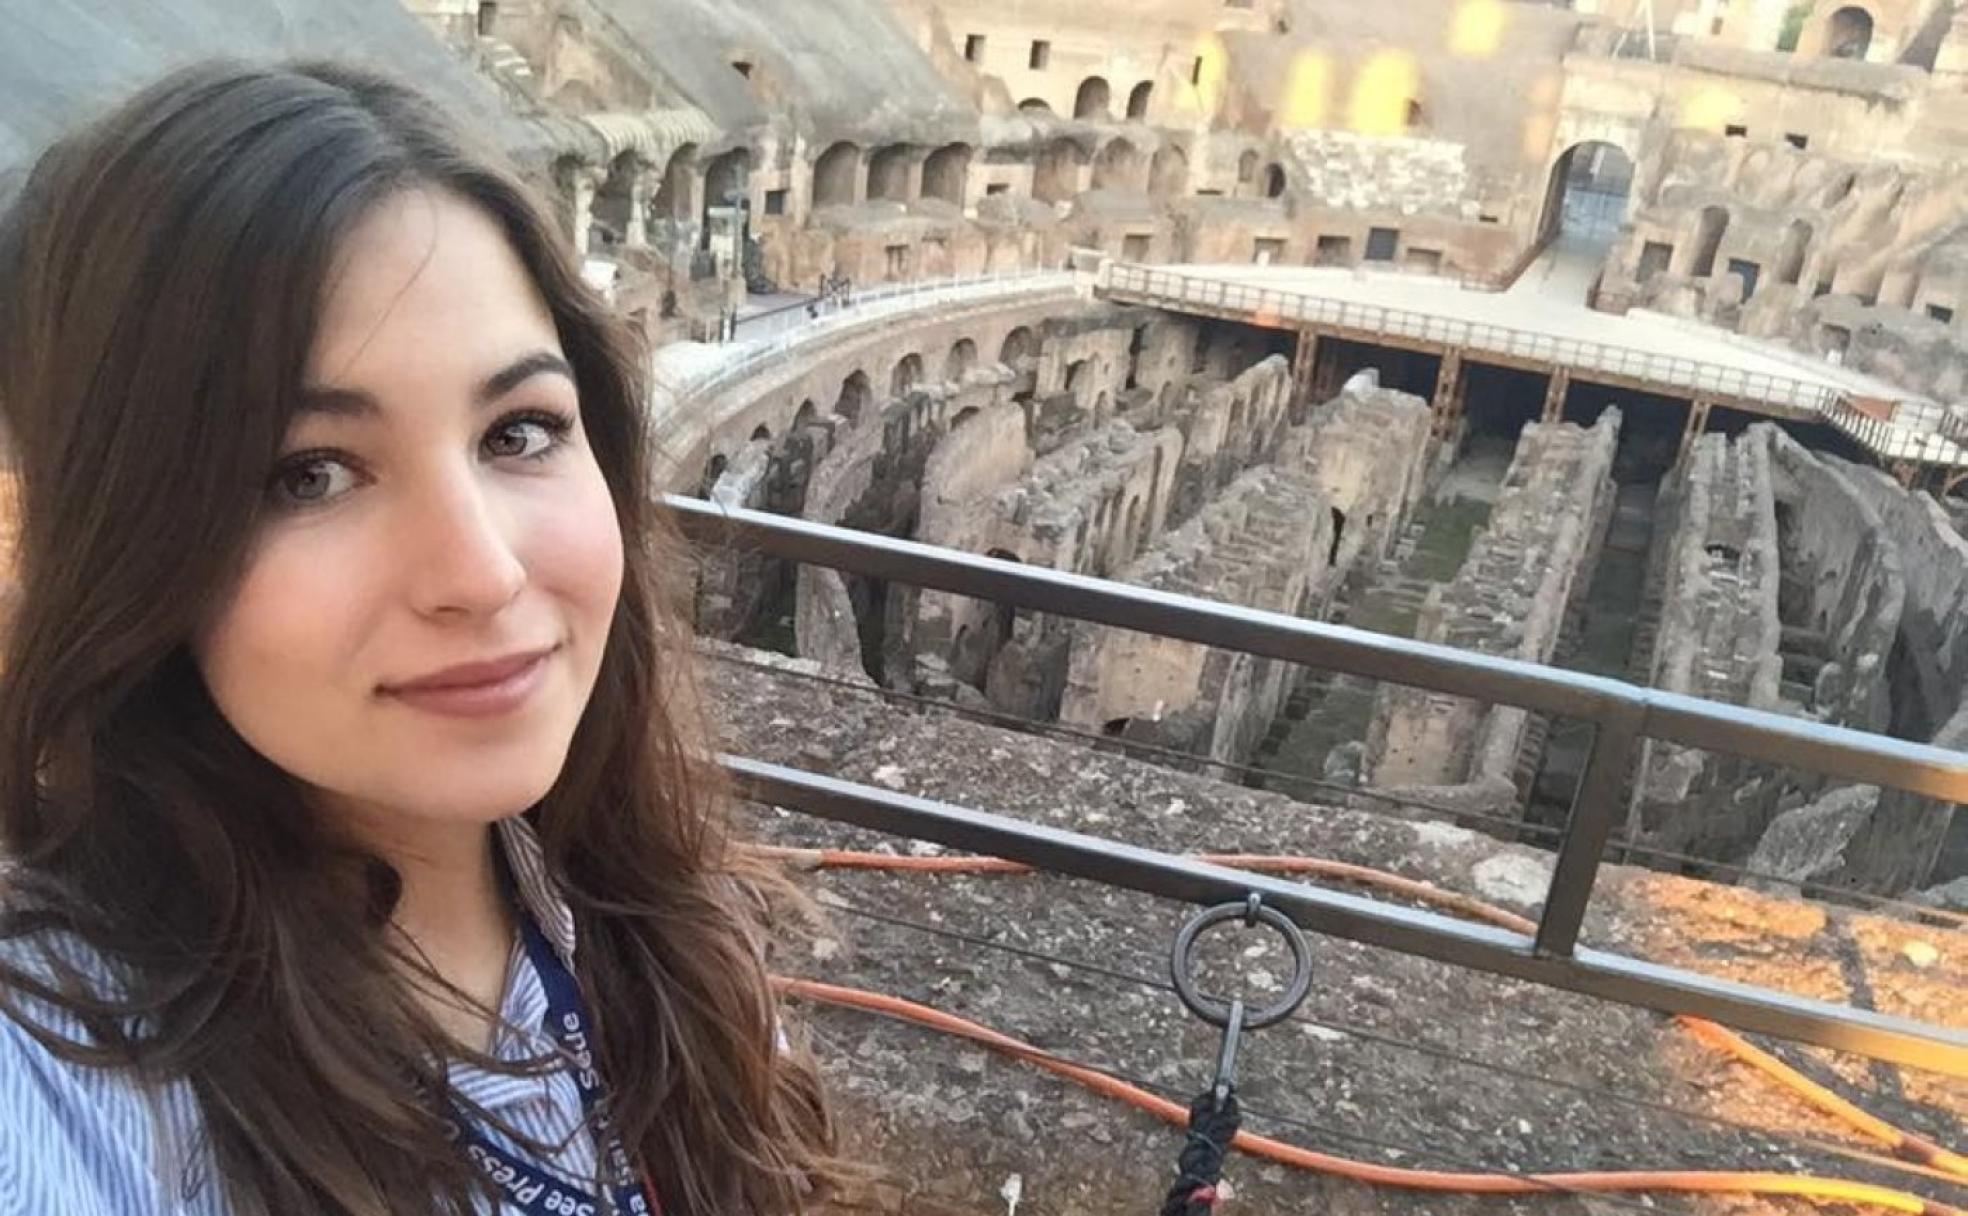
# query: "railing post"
1594,809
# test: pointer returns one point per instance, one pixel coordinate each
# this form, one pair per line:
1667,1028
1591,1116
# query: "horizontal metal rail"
1425,934
1621,713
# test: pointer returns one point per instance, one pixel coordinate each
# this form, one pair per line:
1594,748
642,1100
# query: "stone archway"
1708,240
1848,33
1168,172
856,395
1094,100
908,374
676,197
836,175
962,357
1588,192
889,169
946,173
1057,177
1118,167
1137,106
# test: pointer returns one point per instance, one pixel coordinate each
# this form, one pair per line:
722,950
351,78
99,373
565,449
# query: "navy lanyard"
524,1185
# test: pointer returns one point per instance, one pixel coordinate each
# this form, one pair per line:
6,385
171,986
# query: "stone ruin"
1512,597
1799,583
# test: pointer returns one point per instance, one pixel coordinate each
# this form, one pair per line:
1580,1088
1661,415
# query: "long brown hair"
160,274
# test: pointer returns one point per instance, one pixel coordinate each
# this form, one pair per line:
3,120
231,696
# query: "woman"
363,856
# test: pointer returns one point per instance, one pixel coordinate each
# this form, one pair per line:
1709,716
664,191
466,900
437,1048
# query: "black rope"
1199,1169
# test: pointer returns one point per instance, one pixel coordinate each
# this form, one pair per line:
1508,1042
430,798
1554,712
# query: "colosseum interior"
1624,336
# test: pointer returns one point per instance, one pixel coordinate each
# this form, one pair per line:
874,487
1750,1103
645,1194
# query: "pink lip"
475,690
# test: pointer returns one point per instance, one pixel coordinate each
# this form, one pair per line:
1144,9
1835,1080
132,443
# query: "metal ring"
1217,1012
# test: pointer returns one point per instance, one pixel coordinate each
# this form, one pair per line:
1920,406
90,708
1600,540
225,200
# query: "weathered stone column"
1697,425
1447,402
644,182
1305,360
581,183
1554,394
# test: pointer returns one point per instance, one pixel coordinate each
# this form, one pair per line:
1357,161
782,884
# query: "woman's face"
423,612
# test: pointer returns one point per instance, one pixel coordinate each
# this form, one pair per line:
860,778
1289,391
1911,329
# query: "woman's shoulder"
75,1137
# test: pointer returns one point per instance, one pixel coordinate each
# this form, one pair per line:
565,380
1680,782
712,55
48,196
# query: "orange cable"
1904,1144
1689,1181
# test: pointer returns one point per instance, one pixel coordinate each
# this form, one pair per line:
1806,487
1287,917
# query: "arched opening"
724,180
1077,375
1093,99
1138,99
1168,172
908,374
1118,167
1017,349
962,416
1790,259
854,397
1274,181
946,172
1586,199
673,201
614,199
962,357
712,471
1246,167
835,175
1708,240
761,432
807,415
888,172
1057,177
1034,105
1848,34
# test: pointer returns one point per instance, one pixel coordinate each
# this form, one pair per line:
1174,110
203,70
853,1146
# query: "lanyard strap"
524,1185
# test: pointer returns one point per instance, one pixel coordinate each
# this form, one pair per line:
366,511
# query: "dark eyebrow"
354,403
518,372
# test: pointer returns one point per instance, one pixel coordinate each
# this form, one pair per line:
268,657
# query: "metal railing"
1705,379
1622,714
1913,433
868,307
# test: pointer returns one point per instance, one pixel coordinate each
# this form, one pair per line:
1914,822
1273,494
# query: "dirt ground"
1391,1059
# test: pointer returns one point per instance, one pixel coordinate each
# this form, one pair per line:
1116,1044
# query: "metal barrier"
869,306
1914,433
1703,378
1621,713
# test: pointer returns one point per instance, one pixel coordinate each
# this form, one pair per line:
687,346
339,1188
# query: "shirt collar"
539,894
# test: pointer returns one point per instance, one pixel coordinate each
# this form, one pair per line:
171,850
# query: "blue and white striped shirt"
82,1141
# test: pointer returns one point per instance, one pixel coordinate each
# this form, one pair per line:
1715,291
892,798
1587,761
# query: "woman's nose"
463,559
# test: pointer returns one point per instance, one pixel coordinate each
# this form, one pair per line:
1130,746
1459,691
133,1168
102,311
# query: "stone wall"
1368,450
1716,564
1264,542
1511,597
1843,256
1344,169
1842,590
1804,585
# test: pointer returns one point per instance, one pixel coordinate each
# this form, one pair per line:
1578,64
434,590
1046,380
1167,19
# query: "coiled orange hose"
1902,1143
